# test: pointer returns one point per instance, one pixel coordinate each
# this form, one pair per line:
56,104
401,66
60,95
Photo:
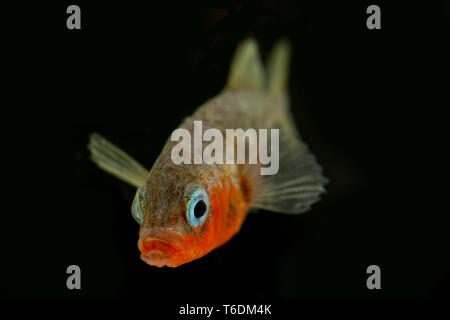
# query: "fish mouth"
158,247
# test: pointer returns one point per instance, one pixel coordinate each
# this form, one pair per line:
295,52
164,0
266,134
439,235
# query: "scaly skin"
166,238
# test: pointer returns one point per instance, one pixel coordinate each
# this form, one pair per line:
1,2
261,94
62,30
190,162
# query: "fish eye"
136,210
197,207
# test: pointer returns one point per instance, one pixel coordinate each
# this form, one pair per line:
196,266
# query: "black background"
366,101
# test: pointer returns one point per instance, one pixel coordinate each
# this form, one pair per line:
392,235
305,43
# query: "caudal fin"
246,70
278,67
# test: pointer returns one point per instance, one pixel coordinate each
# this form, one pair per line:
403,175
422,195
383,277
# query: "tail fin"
246,70
115,161
278,67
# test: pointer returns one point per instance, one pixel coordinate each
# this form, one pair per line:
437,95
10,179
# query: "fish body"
187,210
229,186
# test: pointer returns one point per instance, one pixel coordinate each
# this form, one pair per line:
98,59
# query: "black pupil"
199,209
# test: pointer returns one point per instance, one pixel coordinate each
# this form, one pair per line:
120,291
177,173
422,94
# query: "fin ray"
278,67
299,182
115,161
246,70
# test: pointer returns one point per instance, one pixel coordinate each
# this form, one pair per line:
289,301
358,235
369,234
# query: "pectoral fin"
299,182
115,161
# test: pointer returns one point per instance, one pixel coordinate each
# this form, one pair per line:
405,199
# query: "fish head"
176,217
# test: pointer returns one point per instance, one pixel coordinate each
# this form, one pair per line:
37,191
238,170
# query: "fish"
187,210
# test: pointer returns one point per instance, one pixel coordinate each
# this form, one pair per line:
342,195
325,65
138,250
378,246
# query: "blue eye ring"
197,208
136,210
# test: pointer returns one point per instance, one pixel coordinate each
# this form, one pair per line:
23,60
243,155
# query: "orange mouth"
158,248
